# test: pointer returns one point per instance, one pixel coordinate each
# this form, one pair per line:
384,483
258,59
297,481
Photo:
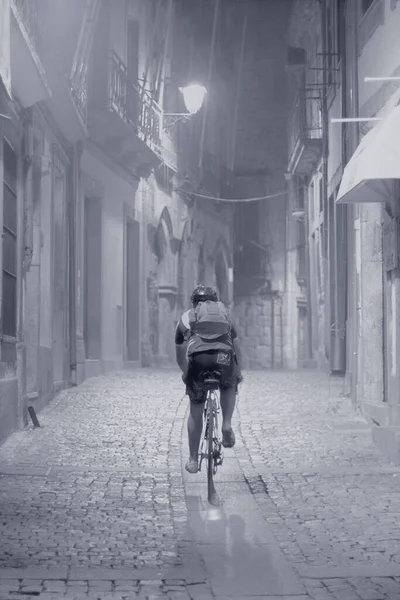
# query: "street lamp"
193,98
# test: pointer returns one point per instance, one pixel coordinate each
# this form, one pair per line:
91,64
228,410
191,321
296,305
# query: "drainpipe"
340,240
272,332
72,209
310,347
352,212
325,154
281,325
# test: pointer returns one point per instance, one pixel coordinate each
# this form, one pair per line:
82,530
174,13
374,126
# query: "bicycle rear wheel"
212,495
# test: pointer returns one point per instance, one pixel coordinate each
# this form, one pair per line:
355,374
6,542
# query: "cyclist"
206,339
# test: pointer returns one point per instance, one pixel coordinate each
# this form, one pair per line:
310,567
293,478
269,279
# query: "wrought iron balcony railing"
28,10
134,105
79,92
297,120
78,77
304,134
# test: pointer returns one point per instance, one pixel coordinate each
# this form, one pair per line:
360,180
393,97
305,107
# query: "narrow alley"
209,184
96,504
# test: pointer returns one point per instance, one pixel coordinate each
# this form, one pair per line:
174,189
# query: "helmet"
201,293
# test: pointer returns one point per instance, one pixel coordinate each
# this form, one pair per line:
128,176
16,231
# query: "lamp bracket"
171,119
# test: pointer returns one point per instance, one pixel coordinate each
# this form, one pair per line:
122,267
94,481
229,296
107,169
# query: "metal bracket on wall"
170,120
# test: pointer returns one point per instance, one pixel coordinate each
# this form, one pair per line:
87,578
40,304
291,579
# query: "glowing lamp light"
193,97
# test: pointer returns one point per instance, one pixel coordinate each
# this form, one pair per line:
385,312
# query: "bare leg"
228,401
195,427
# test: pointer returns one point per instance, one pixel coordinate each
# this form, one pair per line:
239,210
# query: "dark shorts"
207,361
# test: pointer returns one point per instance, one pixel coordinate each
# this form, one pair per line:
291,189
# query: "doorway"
92,278
60,279
132,290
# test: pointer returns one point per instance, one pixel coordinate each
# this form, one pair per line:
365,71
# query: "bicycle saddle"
212,378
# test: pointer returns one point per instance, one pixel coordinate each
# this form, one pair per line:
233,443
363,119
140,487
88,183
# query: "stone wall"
259,321
182,246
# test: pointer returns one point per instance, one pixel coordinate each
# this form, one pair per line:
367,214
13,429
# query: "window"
334,19
9,242
332,39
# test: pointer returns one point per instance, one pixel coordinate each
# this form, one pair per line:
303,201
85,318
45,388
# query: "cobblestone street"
95,504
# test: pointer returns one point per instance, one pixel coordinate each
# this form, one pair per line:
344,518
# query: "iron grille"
134,105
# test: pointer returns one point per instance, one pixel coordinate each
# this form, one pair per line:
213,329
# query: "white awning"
369,174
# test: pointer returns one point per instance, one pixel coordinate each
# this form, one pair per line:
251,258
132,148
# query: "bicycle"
211,446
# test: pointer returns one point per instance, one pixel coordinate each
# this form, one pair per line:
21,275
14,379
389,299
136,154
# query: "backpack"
210,321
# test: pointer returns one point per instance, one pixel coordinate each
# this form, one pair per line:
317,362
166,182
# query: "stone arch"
166,221
165,247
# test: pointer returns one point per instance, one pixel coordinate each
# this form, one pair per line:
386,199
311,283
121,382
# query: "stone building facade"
103,239
40,139
352,250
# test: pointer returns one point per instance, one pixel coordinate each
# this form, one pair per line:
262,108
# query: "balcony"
68,102
29,82
124,118
305,140
78,91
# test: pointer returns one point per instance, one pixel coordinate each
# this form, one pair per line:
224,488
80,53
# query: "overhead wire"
252,199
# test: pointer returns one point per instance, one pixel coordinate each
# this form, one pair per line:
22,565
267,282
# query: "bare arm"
238,352
181,358
180,349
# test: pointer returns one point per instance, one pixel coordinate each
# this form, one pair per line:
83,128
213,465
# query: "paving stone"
54,586
106,504
328,494
111,496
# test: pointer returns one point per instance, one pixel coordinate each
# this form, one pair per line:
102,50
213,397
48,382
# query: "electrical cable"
255,199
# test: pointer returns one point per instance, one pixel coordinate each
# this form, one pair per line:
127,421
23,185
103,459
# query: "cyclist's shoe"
228,438
192,466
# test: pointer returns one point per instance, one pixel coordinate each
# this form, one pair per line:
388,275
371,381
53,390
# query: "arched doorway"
166,251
